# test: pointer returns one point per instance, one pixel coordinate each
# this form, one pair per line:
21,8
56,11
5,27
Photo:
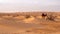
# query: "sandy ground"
31,25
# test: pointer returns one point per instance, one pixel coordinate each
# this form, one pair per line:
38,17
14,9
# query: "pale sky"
29,5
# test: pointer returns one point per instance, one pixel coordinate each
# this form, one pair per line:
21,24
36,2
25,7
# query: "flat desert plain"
30,23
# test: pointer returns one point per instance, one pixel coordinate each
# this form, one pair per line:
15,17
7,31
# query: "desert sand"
30,23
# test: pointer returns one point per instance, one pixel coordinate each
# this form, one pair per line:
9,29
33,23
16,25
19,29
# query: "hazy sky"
29,5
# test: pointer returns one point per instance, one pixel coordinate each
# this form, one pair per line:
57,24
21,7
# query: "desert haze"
30,23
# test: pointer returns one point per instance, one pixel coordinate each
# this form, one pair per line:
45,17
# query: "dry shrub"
51,17
28,16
